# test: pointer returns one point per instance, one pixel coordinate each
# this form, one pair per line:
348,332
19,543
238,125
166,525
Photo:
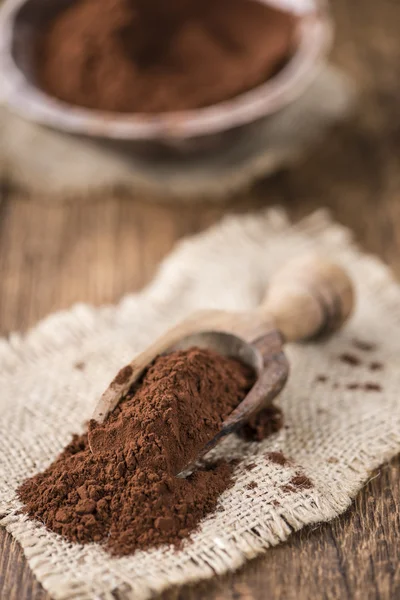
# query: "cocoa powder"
157,56
278,458
363,345
369,386
376,366
298,483
126,495
350,359
263,424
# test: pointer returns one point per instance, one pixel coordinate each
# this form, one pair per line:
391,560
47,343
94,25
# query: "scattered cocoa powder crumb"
350,359
365,346
288,489
301,481
332,460
372,387
252,485
123,375
250,467
127,495
321,379
262,425
298,482
376,366
147,56
368,387
275,503
278,458
353,386
79,366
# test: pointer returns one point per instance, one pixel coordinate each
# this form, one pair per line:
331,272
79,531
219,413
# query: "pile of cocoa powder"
154,56
125,493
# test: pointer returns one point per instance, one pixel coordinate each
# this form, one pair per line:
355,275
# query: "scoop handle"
309,297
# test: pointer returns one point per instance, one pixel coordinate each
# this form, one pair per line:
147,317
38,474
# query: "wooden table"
54,254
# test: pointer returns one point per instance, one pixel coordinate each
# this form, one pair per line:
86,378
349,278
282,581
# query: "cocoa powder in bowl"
149,56
127,495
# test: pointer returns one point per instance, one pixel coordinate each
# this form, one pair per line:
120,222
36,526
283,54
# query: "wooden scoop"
309,297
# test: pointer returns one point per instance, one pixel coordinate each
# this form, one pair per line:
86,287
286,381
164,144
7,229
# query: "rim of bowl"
315,33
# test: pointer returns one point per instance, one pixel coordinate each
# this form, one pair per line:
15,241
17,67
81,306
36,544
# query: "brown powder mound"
126,495
156,55
178,407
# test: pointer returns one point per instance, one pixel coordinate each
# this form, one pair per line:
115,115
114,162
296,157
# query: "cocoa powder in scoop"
154,56
127,495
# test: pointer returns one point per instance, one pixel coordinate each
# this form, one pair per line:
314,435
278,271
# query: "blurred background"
81,240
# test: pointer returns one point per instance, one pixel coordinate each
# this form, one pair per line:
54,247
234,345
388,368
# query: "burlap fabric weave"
333,434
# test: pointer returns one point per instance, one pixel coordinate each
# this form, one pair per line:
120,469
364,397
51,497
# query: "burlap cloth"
336,436
42,161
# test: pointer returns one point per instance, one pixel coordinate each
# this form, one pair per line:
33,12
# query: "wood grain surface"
52,255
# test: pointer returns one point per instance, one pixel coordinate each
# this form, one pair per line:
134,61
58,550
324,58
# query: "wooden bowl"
21,20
